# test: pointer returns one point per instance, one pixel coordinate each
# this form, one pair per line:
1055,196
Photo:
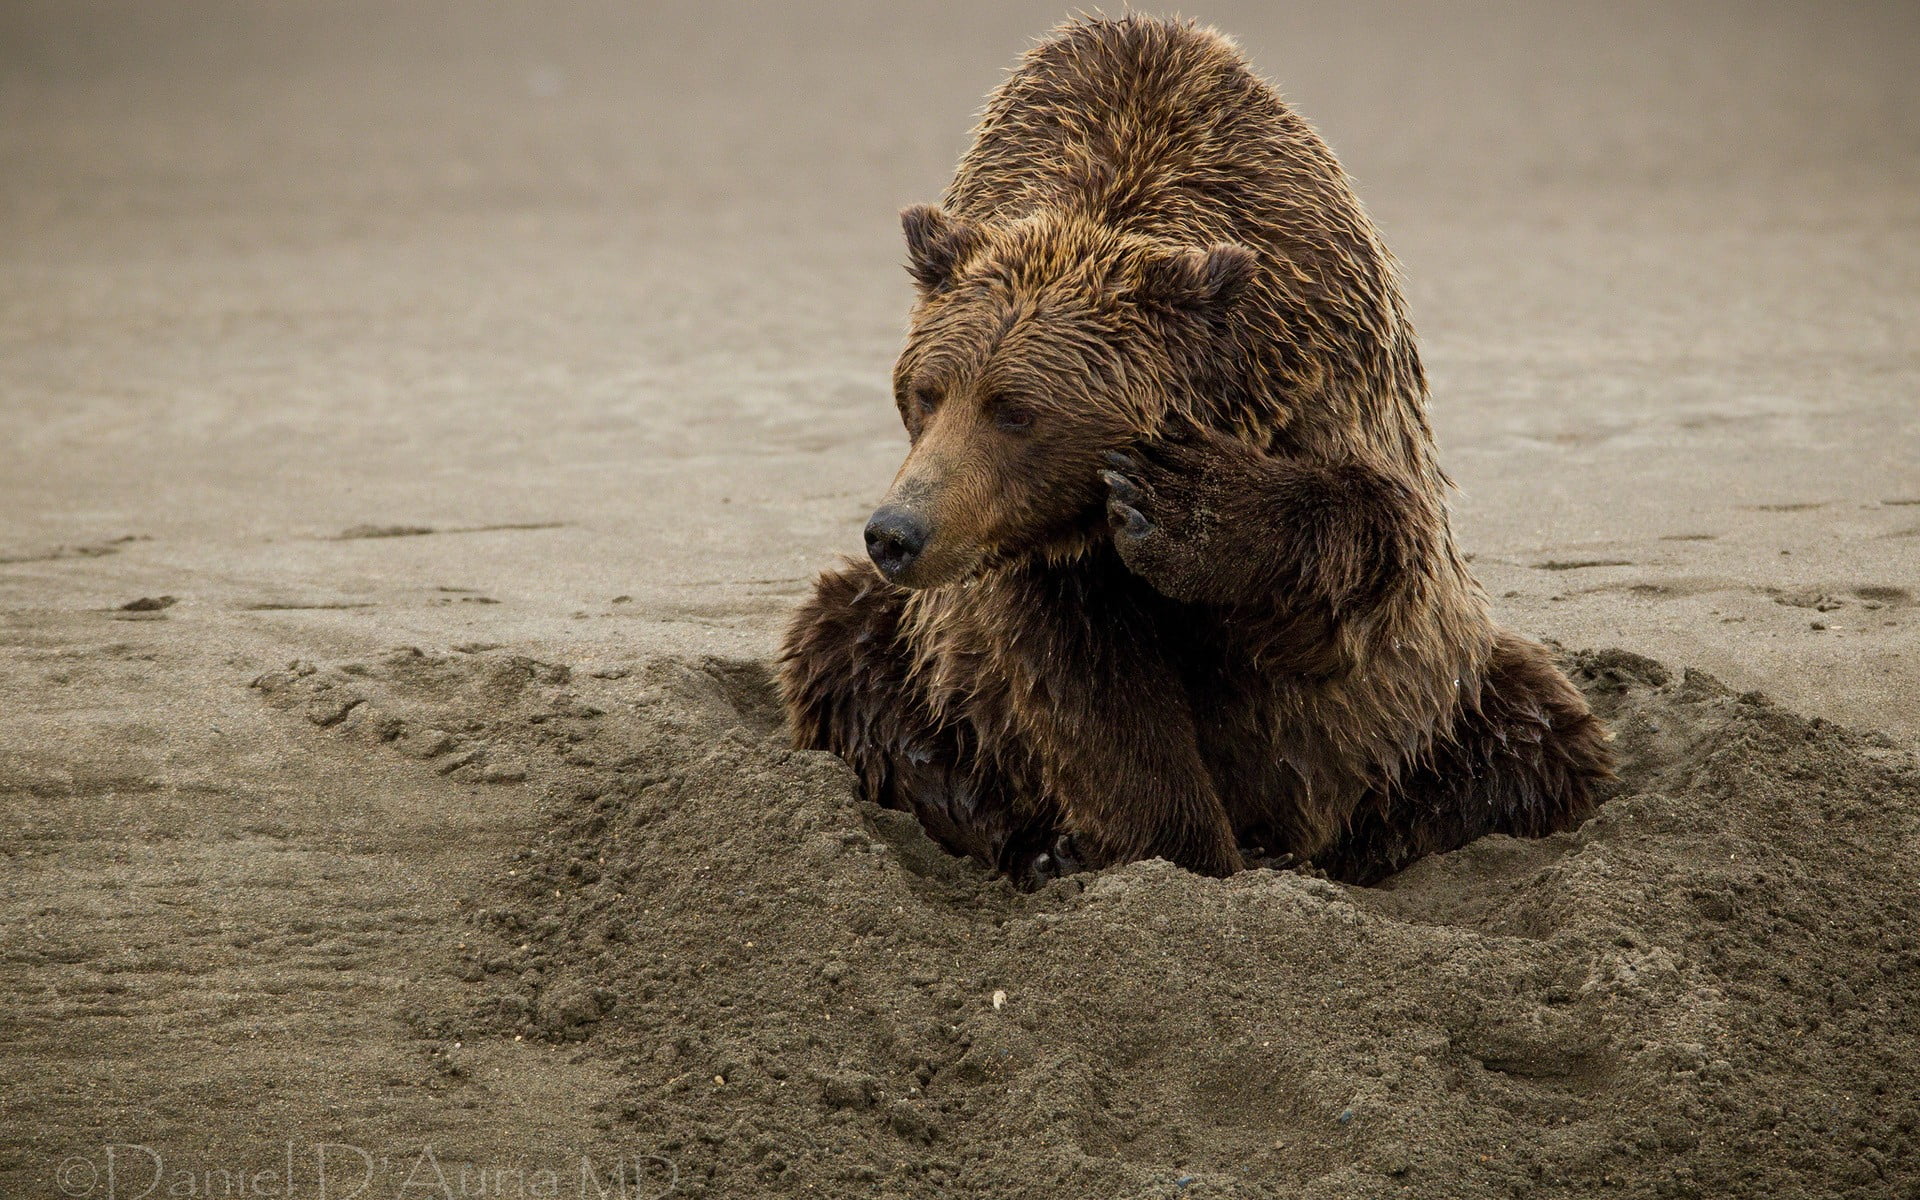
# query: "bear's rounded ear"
1198,278
937,243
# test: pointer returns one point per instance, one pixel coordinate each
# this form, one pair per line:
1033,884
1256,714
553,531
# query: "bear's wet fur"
1168,569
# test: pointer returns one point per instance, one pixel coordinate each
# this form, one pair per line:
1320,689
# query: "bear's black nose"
895,537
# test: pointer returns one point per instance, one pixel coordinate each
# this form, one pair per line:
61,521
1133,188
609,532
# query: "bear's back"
1161,129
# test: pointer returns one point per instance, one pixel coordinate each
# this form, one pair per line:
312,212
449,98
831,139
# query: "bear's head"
1036,347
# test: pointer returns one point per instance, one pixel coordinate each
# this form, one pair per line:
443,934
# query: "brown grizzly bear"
1168,571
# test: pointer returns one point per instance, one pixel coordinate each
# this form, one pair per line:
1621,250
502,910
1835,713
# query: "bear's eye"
1010,414
925,399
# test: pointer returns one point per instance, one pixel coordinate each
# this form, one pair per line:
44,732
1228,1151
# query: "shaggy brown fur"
1168,569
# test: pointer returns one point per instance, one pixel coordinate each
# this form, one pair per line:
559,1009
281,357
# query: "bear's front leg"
1107,723
1207,519
1132,786
846,676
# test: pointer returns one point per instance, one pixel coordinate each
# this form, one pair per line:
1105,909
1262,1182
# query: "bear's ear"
936,245
1198,278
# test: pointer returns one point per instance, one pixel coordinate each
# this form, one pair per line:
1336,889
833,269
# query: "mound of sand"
1709,990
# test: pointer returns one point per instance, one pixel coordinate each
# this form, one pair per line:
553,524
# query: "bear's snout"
895,538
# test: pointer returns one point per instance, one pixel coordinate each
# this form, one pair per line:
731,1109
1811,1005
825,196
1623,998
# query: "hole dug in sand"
1708,990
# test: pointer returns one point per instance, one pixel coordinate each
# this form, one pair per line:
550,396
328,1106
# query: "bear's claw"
1131,520
1125,499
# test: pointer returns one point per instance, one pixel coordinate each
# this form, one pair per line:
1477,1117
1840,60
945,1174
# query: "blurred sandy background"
591,310
272,272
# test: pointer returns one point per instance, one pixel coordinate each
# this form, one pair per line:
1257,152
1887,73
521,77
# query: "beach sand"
416,423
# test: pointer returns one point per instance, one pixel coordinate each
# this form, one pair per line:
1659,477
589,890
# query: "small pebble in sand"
150,604
426,743
504,771
999,999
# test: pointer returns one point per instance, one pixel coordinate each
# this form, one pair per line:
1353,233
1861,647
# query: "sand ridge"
1706,990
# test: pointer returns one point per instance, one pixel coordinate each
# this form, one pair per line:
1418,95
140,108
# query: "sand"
512,374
